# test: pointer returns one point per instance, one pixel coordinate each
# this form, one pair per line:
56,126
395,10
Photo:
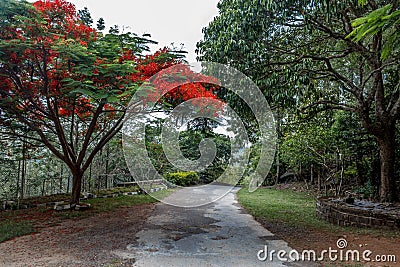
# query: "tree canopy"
302,54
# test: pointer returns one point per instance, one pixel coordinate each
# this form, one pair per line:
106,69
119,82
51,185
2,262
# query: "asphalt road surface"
217,234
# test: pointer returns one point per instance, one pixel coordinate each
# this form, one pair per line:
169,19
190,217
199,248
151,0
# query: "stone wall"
343,214
13,205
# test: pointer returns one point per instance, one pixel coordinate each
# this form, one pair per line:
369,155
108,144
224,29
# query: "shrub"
183,178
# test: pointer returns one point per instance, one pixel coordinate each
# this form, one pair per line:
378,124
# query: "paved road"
217,234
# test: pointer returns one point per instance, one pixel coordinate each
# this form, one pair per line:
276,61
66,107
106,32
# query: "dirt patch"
301,238
80,242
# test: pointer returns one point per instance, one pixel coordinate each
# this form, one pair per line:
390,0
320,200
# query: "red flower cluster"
83,108
179,83
150,64
62,18
43,69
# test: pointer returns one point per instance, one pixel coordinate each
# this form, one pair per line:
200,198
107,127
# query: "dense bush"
183,178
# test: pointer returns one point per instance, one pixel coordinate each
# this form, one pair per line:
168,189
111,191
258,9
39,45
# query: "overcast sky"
168,21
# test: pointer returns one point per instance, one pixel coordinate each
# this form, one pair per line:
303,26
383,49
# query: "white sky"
168,21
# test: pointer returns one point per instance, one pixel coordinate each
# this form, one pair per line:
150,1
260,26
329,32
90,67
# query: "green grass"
99,205
295,209
107,204
44,199
282,206
10,229
164,193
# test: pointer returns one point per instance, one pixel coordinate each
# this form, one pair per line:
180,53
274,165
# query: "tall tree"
65,84
299,53
69,85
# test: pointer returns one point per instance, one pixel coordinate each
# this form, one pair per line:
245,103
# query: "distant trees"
189,141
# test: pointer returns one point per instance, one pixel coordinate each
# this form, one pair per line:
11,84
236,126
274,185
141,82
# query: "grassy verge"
108,204
282,206
99,205
164,193
295,209
10,229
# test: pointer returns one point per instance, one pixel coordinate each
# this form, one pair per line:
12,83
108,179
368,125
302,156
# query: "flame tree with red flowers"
69,84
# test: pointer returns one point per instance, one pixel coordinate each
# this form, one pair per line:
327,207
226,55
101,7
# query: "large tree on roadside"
300,53
66,83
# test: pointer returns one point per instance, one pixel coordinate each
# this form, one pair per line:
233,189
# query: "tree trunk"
300,172
386,141
18,178
319,181
312,174
76,187
278,170
100,170
360,170
90,178
23,173
106,170
43,187
51,184
61,178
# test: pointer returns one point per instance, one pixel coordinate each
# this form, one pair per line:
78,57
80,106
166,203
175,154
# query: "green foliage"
100,24
189,145
299,53
8,10
362,2
85,16
367,191
385,20
351,170
189,141
183,178
309,144
337,140
10,229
